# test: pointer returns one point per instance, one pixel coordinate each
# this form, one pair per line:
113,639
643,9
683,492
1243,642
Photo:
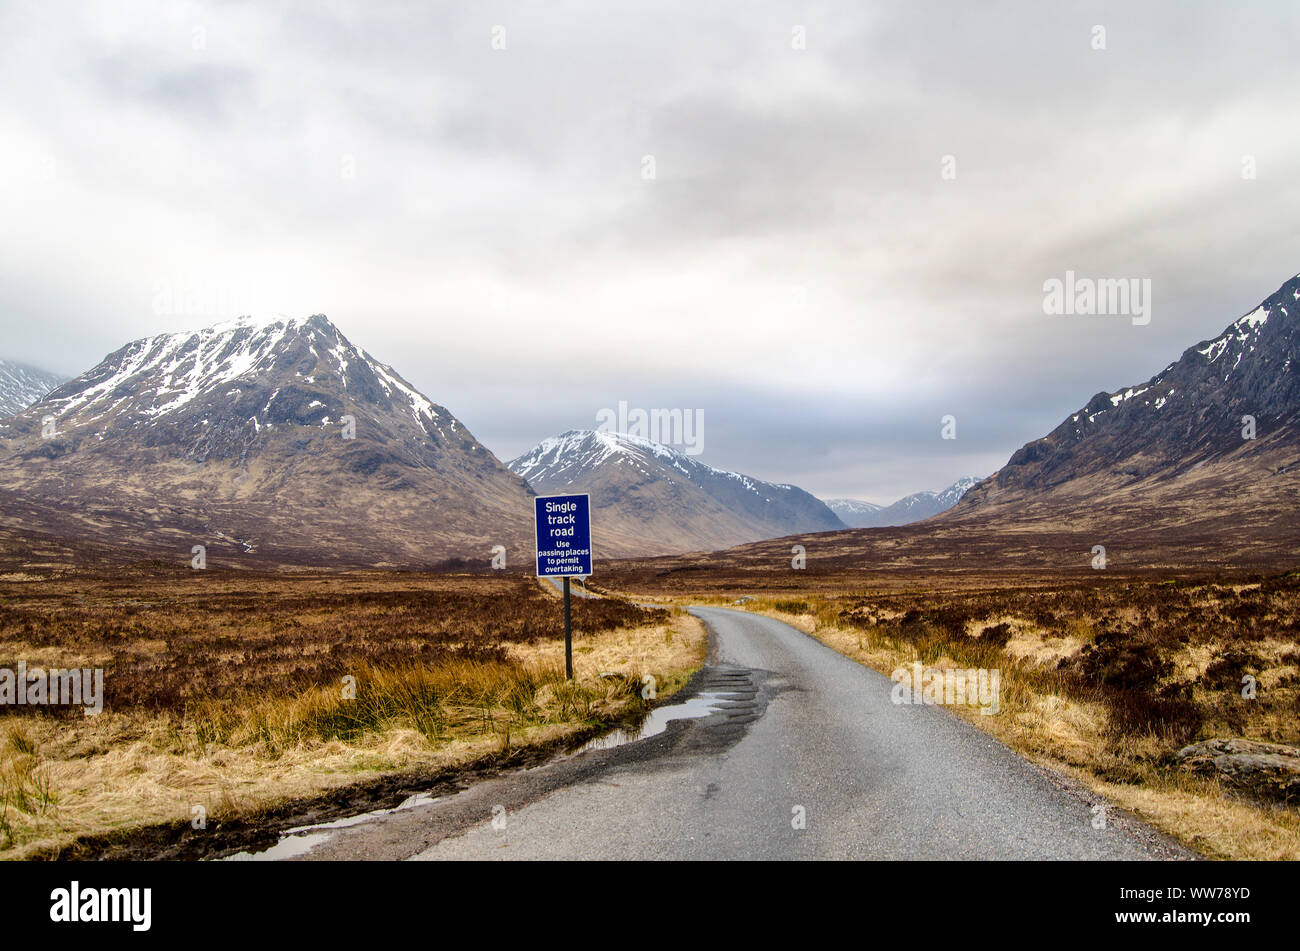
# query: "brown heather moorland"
226,690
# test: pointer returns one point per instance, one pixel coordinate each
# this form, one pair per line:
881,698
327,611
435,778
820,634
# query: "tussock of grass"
434,701
26,788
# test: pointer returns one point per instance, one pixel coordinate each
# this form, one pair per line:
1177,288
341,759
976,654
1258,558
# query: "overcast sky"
798,267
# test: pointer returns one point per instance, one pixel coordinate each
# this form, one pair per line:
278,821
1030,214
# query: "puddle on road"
701,705
290,845
301,840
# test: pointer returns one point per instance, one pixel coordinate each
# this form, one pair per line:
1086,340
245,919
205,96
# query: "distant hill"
649,499
853,512
910,508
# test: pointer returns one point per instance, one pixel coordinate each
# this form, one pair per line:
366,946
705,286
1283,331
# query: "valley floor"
235,702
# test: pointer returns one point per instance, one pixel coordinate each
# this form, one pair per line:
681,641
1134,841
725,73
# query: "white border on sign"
537,538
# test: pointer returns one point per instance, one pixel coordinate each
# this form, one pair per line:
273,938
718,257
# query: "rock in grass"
1270,770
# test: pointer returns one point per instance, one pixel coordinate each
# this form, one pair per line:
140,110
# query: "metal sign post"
563,524
568,633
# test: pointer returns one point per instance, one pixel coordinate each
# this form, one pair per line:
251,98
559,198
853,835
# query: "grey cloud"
497,220
197,91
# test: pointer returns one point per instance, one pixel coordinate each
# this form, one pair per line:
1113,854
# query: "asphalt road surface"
804,756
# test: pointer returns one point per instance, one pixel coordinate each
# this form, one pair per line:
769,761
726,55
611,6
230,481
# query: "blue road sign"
563,536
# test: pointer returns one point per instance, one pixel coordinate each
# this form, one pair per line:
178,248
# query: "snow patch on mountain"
842,507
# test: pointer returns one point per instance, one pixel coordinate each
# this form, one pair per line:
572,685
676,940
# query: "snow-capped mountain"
22,385
1216,429
910,508
649,499
273,436
854,513
947,498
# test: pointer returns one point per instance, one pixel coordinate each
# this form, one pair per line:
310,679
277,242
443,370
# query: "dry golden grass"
1207,819
247,746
